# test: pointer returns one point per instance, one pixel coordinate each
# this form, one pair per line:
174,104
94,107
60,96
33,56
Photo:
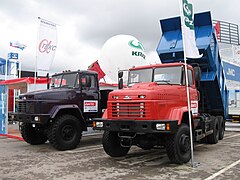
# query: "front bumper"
30,118
136,126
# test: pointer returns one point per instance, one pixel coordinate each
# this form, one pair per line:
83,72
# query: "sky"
84,26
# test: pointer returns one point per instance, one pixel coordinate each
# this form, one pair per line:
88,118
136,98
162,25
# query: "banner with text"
46,46
188,33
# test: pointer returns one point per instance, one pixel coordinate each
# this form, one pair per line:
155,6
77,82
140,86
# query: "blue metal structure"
232,72
3,109
12,66
212,85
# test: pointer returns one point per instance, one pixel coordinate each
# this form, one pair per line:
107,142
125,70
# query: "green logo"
136,44
188,14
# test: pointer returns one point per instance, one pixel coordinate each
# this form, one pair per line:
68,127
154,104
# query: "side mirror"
88,81
48,81
120,74
120,83
197,73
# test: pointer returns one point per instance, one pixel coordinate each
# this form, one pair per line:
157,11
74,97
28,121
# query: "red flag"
217,28
96,67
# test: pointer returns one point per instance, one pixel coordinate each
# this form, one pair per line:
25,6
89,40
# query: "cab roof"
152,66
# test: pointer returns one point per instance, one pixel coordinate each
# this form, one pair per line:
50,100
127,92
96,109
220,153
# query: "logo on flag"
17,44
45,46
188,33
188,13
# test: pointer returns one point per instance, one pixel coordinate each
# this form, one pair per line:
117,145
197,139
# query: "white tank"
121,52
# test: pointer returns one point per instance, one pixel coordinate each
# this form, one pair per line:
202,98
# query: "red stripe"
12,137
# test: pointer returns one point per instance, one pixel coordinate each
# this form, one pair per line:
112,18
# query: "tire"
112,145
221,127
213,138
65,133
32,135
178,145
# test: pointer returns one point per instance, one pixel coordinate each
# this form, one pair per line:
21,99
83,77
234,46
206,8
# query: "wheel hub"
67,132
184,143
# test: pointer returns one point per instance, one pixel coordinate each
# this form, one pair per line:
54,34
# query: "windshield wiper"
166,81
132,83
66,86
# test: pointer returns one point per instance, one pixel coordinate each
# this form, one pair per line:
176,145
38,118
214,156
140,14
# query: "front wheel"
112,144
178,145
32,135
65,133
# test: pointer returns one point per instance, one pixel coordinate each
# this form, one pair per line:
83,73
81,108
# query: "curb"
12,137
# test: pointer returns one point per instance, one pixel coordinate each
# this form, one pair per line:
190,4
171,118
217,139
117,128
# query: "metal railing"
226,32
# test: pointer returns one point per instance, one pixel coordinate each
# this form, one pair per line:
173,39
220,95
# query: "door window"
88,82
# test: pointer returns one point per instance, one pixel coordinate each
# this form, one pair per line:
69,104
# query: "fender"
54,111
105,114
177,113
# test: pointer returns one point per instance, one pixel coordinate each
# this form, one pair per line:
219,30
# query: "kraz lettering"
136,53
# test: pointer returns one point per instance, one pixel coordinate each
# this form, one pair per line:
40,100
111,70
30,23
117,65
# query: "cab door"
193,93
90,96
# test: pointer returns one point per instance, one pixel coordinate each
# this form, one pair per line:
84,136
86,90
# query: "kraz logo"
188,14
137,45
46,46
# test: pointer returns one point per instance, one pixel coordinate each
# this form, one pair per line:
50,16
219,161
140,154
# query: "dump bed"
212,85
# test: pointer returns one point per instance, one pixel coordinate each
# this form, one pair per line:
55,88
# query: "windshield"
168,75
138,76
56,81
65,80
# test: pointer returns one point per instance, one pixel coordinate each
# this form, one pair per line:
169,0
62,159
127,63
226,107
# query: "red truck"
152,111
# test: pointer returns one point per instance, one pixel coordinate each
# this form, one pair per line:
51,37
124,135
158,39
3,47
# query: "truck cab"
61,113
155,86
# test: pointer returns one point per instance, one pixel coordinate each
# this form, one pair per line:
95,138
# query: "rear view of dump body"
153,111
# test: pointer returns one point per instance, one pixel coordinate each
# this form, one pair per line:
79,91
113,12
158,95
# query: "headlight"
163,127
36,118
99,124
160,126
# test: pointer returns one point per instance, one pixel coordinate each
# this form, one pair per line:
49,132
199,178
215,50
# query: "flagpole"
35,70
187,85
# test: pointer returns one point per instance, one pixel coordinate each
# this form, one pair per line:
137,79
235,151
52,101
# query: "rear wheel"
65,133
213,138
112,144
178,145
221,127
32,135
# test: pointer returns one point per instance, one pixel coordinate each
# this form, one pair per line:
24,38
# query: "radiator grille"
129,110
25,107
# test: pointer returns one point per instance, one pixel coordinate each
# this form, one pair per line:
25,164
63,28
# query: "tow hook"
126,140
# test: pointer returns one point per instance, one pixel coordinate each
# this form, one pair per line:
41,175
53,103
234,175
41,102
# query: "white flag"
46,46
188,33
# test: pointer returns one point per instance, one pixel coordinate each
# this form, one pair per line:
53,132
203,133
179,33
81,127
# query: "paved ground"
233,126
18,160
